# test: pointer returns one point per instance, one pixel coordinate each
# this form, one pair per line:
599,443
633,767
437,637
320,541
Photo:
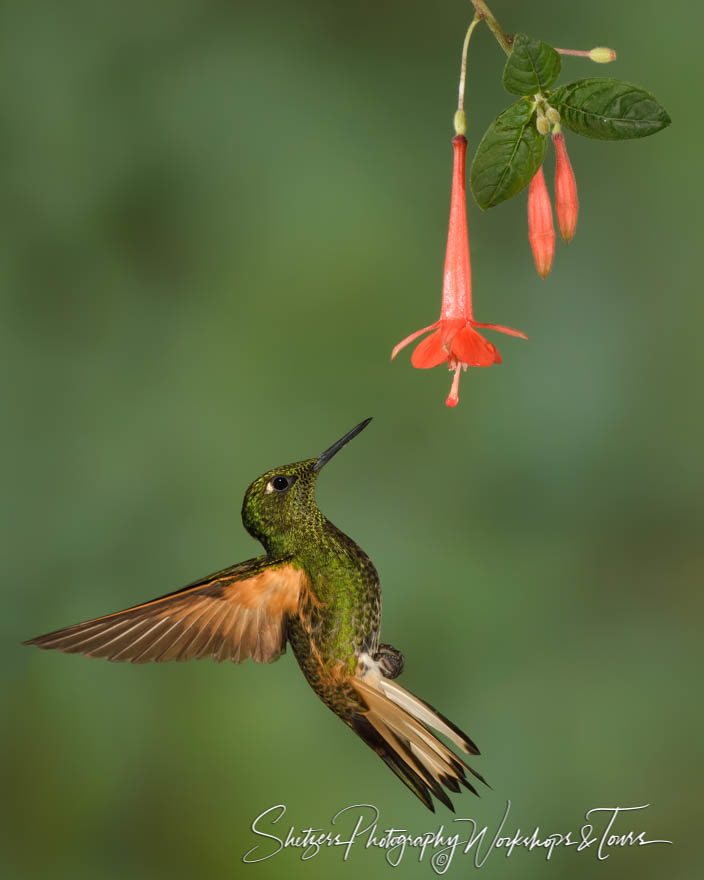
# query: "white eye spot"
280,483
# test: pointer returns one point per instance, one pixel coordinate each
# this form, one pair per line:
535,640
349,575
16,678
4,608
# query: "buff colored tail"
397,725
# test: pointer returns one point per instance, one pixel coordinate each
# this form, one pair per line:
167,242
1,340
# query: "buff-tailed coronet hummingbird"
314,588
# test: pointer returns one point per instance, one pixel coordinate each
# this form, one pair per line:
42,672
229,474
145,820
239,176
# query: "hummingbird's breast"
339,615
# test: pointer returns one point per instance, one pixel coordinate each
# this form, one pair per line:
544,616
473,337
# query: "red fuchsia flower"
541,232
455,341
566,201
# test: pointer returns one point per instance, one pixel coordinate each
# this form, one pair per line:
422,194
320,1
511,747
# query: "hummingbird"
315,589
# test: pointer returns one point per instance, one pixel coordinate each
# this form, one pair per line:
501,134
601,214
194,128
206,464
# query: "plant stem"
580,53
463,67
484,12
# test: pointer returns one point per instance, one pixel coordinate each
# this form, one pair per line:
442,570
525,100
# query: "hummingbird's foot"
390,661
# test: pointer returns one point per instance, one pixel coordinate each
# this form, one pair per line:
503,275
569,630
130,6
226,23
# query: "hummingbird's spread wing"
396,724
237,613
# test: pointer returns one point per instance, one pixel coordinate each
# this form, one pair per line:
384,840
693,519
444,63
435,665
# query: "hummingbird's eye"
279,484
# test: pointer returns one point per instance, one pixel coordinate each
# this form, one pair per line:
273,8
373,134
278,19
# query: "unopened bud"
566,201
460,122
541,232
602,55
553,115
542,124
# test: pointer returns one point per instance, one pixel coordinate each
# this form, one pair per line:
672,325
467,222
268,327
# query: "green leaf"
508,156
532,66
608,109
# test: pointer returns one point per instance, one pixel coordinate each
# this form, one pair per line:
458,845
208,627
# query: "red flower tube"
566,201
541,232
455,341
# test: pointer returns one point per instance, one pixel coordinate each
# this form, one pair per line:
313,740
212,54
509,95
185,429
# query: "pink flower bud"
600,54
566,201
541,232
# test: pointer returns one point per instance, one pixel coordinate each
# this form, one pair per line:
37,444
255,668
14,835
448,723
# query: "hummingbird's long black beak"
336,447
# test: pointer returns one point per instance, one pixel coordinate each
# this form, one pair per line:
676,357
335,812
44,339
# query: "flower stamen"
453,398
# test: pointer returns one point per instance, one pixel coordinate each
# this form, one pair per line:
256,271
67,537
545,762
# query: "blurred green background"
219,217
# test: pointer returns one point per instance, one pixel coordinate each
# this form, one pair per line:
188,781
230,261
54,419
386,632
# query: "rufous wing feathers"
233,615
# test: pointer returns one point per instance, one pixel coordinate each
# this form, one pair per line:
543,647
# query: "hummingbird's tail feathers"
400,765
235,614
396,724
427,714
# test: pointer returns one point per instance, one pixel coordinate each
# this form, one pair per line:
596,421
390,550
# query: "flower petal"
470,347
448,328
430,352
404,342
501,329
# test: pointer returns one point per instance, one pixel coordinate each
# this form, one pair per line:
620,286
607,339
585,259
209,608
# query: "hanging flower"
566,201
541,232
455,340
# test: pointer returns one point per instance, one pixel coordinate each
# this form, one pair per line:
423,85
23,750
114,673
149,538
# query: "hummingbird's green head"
279,507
